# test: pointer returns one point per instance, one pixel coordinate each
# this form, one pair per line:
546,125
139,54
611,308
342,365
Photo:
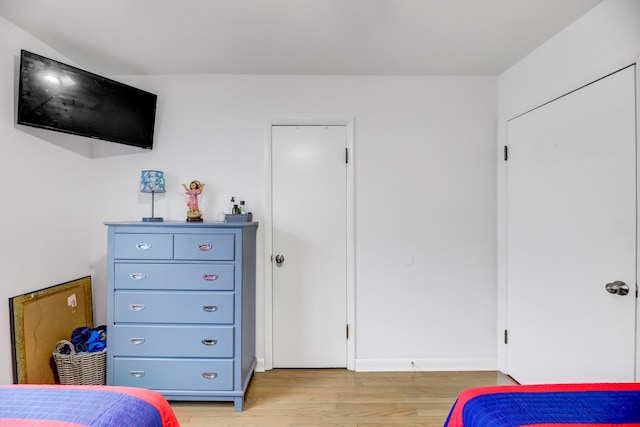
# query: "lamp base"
152,219
190,219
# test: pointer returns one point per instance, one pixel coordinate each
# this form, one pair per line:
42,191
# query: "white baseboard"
408,365
385,365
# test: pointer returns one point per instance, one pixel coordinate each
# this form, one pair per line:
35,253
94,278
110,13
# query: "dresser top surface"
184,224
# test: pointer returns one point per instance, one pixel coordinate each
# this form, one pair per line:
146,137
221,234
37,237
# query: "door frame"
349,124
637,340
502,258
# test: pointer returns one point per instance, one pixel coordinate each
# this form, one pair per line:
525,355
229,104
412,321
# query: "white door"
571,230
309,246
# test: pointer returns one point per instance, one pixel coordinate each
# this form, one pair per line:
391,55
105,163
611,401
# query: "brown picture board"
39,320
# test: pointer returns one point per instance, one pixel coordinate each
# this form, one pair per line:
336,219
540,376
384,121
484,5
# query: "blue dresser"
181,308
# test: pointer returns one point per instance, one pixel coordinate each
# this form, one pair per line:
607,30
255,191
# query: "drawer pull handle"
136,341
209,375
209,342
136,374
205,246
137,307
137,276
210,308
143,246
210,277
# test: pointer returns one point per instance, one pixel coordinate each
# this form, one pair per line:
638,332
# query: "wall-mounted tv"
59,97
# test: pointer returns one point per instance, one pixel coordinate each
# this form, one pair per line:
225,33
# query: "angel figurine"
194,214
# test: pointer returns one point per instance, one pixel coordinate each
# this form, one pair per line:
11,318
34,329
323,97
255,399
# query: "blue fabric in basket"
85,339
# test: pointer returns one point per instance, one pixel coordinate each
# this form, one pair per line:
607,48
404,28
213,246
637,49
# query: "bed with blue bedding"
548,405
51,405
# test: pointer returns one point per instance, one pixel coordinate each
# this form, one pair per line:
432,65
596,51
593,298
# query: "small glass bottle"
235,210
242,208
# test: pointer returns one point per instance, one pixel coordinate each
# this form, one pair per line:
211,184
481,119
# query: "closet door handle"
210,277
137,276
136,341
143,246
137,307
209,342
204,246
210,308
210,375
136,374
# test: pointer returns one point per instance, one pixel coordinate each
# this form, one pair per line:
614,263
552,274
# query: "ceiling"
328,37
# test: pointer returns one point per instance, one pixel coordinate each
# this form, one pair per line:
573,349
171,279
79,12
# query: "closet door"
571,177
309,196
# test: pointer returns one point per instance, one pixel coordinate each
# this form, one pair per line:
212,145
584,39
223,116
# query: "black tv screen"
59,97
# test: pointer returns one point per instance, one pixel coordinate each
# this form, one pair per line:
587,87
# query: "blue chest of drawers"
181,308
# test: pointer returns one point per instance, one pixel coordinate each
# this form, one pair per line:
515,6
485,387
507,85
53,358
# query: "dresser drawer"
171,341
143,246
173,374
213,277
220,247
173,307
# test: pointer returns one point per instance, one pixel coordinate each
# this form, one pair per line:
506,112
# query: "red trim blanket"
75,406
548,405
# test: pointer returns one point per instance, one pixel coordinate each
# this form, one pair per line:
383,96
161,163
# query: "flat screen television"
59,97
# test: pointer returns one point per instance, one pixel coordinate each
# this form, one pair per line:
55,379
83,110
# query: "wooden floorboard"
340,398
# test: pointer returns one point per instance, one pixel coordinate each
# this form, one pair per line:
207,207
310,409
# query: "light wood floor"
337,397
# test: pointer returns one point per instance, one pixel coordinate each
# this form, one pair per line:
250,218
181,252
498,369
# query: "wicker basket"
80,369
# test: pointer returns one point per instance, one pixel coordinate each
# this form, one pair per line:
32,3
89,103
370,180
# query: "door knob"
279,259
617,288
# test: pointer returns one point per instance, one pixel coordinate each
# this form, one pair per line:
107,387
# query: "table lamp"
152,182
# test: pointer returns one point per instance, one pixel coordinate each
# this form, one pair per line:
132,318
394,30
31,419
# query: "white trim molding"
425,365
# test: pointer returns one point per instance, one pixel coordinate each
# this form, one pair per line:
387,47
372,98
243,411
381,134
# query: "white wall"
604,40
423,176
46,203
425,188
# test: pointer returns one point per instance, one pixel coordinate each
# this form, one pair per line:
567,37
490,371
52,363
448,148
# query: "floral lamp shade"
152,181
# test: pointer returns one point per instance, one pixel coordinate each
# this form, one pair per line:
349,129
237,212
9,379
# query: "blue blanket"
547,405
95,406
